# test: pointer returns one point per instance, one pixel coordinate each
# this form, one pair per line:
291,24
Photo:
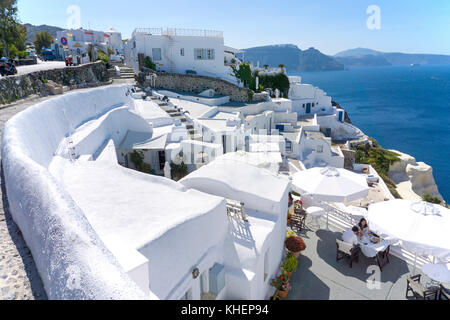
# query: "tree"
266,66
244,74
11,31
42,40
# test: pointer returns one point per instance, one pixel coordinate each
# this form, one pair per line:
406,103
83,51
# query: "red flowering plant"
295,244
298,204
281,283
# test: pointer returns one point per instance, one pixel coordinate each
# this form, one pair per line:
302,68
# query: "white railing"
343,221
179,32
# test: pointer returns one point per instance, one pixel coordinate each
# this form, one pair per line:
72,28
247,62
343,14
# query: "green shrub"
148,63
279,81
381,160
244,74
103,56
431,199
290,264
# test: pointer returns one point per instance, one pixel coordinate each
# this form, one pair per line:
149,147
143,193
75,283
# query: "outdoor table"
374,250
316,213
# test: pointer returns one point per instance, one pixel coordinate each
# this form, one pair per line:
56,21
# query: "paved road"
42,65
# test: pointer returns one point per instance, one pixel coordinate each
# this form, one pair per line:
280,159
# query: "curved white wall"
71,259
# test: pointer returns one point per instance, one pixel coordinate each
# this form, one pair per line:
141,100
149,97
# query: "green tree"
244,74
42,40
148,63
11,31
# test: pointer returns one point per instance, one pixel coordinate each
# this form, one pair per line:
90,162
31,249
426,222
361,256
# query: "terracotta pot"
290,274
282,294
289,221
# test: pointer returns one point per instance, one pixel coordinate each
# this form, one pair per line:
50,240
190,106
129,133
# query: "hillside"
368,57
292,57
32,30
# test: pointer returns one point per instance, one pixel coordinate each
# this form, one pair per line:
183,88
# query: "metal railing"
179,32
236,210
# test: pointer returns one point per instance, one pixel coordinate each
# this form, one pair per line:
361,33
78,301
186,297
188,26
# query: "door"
308,108
162,159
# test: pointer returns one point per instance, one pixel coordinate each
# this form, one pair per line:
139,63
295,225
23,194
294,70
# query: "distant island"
292,57
369,57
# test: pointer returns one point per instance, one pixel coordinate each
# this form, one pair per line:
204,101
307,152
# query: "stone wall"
197,84
14,88
349,159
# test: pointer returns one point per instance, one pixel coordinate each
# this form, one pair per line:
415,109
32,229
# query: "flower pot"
282,294
290,274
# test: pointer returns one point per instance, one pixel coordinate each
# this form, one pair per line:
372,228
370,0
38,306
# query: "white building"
182,51
120,234
307,99
77,41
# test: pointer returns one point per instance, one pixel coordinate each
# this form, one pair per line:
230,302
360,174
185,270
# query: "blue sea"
403,108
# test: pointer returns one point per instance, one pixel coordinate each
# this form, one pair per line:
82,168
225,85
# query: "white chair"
348,251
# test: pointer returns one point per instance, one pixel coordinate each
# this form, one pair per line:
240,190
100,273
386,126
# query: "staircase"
176,115
125,72
169,54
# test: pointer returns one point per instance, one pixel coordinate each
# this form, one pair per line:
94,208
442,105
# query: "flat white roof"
151,111
216,125
258,188
196,110
128,207
143,141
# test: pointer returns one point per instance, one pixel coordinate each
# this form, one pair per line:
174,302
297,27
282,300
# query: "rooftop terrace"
320,277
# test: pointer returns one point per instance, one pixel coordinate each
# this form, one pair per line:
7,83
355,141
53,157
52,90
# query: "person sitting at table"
351,236
363,227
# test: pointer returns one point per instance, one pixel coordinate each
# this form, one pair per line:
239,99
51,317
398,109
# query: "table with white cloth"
379,250
316,213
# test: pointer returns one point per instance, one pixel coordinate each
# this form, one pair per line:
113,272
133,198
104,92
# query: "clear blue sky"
413,26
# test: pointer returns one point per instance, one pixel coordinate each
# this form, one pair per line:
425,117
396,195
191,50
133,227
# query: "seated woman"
363,227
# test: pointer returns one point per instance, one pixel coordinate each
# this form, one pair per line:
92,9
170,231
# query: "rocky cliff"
413,179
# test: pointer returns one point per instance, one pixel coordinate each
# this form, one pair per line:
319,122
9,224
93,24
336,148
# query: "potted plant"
295,245
289,220
290,265
281,284
298,206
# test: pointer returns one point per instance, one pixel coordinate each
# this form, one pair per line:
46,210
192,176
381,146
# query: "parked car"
7,67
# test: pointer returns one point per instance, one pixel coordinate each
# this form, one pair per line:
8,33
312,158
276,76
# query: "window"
198,54
319,149
204,54
217,279
156,53
304,106
288,146
182,52
210,54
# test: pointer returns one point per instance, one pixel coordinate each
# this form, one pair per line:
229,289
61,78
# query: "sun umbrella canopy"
438,272
331,184
422,228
